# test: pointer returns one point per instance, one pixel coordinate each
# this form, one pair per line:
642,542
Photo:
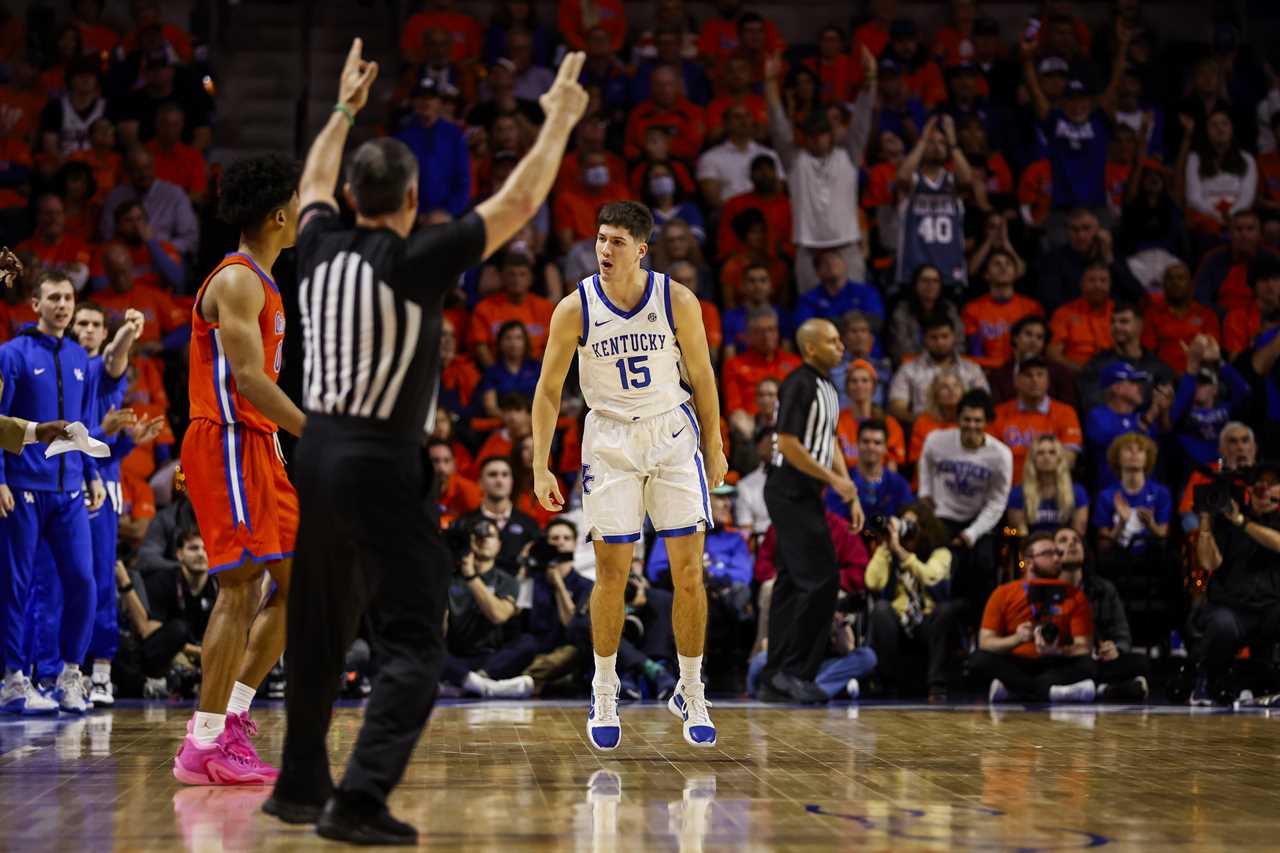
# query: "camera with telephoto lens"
1215,496
878,527
1044,599
541,556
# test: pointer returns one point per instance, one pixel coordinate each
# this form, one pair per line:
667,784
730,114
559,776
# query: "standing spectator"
1172,323
1126,335
514,303
836,71
874,34
881,491
859,339
177,162
909,576
1082,328
1032,413
169,211
1119,413
725,170
989,318
1152,232
989,166
910,387
823,180
514,528
666,107
764,359
967,474
766,195
456,495
906,334
514,371
1029,337
444,163
1015,651
1221,179
837,294
661,192
1222,279
66,120
901,113
1047,498
54,246
930,181
1210,395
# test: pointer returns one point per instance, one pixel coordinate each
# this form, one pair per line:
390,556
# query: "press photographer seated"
1239,545
1037,634
909,575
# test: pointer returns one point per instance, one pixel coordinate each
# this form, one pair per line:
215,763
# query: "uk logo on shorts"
279,322
586,479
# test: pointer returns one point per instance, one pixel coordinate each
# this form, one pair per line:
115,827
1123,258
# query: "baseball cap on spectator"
903,28
986,27
426,87
1053,65
1121,371
1078,88
503,62
863,364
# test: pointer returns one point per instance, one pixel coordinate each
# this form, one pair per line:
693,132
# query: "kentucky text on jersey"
965,477
628,344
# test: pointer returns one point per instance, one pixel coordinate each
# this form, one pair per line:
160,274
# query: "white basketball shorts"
651,466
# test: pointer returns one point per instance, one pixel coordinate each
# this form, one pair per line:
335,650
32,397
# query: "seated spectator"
1120,412
908,576
1241,553
860,385
1173,321
497,100
752,231
859,338
836,294
930,181
851,556
1242,326
881,490
657,149
1122,673
967,474
65,121
1033,413
136,112
514,410
989,318
444,163
1082,328
575,207
54,246
756,292
942,409
177,162
905,335
589,138
909,390
1088,245
686,272
605,72
75,186
837,675
668,42
102,157
724,170
163,317
835,68
1237,449
744,371
156,264
1036,642
1047,498
464,31
726,559
515,371
515,529
669,14
966,100
667,202
146,15
1222,279
576,20
168,209
1221,179
1126,348
456,495
513,304
750,514
1210,394
1028,337
458,374
444,430
767,195
735,92
666,107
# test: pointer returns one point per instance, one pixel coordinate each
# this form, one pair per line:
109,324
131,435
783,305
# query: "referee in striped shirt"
371,300
807,458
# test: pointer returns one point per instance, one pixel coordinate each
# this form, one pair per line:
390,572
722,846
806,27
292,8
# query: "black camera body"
541,556
878,527
1215,496
1045,599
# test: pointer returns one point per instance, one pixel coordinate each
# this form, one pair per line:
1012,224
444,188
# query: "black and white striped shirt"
371,306
809,409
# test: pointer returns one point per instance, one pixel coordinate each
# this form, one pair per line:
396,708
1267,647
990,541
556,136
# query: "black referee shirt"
371,304
809,409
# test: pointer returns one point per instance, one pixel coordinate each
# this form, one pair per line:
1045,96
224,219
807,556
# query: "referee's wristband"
346,112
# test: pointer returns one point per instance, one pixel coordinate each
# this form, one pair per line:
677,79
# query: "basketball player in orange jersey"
246,508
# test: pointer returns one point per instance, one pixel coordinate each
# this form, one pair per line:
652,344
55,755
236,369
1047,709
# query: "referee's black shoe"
342,823
290,812
804,692
766,692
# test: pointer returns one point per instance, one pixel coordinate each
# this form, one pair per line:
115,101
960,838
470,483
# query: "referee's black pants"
365,543
804,594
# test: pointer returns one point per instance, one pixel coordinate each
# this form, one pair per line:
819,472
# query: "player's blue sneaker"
691,705
603,727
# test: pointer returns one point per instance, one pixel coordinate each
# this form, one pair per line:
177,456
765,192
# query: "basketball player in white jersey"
651,446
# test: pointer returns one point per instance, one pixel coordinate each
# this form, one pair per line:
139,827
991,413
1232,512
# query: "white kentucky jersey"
629,362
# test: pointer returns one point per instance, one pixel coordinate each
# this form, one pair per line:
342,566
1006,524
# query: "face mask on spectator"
662,185
596,176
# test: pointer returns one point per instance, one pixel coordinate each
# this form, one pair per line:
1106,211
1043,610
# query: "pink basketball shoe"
235,739
215,764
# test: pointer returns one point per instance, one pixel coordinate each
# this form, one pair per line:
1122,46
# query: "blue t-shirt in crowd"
688,213
733,326
854,296
1152,495
1048,517
889,495
726,552
1196,428
895,120
1101,428
503,381
1078,156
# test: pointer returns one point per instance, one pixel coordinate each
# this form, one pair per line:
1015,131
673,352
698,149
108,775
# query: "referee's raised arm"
324,160
507,210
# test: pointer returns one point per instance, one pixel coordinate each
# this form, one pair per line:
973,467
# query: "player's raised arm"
702,378
324,160
562,340
528,184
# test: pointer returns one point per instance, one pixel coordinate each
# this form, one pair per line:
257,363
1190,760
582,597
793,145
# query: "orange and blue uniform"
246,507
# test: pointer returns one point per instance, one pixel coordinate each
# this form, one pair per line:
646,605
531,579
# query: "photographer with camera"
1239,545
1036,641
910,574
1237,449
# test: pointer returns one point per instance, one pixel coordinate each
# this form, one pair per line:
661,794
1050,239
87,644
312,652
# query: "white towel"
79,440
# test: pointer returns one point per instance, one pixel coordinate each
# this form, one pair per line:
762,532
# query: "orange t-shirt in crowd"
777,216
684,118
27,104
1035,192
920,430
576,209
875,36
880,183
13,150
492,311
837,78
577,18
987,325
743,373
1166,332
14,317
95,38
731,275
466,32
711,324
1083,331
459,497
1235,291
107,167
1239,329
719,38
1019,428
183,166
66,251
719,106
1115,176
998,175
498,443
926,83
460,376
162,315
847,434
1008,607
144,272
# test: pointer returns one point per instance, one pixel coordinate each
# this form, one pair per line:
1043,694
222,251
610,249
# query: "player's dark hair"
254,187
52,274
978,399
630,215
379,174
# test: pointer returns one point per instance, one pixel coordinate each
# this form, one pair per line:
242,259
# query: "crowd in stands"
1051,248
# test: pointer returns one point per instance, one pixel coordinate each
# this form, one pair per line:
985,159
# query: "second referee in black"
371,300
807,459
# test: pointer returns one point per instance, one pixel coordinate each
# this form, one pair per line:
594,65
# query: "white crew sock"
102,672
71,668
606,670
241,697
208,727
690,670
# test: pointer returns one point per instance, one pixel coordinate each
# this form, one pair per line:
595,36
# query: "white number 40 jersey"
629,362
